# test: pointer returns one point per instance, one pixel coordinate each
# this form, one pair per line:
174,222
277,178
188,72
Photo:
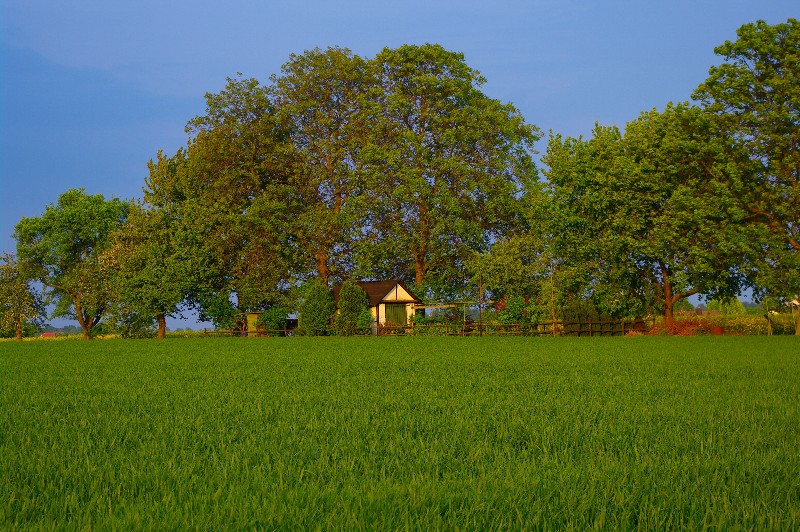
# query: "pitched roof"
378,290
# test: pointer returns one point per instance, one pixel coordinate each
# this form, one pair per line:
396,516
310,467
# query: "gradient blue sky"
91,89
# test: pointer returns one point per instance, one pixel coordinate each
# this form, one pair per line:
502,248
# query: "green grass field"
401,433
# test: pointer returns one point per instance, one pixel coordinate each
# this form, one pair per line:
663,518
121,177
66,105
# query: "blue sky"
91,89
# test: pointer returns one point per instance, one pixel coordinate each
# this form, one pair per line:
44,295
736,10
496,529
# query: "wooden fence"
544,328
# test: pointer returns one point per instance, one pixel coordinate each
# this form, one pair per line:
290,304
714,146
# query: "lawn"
387,433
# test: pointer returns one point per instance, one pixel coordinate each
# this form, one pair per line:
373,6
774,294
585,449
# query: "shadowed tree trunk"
162,326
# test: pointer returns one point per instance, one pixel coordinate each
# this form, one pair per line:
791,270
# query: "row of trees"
401,167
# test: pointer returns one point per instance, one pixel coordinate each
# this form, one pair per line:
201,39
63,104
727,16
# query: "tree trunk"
419,270
85,326
321,257
669,315
797,325
669,297
162,326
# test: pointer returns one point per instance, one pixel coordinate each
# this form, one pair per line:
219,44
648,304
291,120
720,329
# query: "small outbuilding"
389,301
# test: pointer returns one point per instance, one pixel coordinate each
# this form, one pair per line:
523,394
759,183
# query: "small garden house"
389,301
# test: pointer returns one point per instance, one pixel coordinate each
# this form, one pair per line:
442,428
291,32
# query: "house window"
396,313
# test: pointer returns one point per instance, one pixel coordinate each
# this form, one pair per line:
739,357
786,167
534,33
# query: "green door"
396,313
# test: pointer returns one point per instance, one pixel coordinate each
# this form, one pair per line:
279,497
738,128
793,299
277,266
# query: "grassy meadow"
401,433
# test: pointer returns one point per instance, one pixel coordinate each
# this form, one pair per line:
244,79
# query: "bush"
316,310
353,304
273,319
442,324
742,325
726,307
521,310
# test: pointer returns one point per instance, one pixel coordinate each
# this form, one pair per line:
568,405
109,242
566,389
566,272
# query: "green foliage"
518,310
316,309
423,433
365,321
743,325
683,305
273,319
726,307
63,249
650,217
21,307
148,272
219,309
29,330
446,166
440,323
225,201
128,324
352,305
320,98
756,94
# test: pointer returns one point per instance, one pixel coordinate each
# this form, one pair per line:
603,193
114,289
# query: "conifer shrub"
353,317
316,309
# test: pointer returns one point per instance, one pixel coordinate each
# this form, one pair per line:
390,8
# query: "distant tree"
316,309
726,306
63,249
683,305
20,304
756,95
353,306
446,167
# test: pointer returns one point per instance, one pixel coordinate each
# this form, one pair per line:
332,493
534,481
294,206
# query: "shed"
389,301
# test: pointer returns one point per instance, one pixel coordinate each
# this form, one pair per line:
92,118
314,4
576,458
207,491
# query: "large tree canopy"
63,249
756,95
447,167
319,97
224,200
653,208
396,166
149,271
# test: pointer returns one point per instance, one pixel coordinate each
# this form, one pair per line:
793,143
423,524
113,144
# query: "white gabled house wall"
396,297
390,301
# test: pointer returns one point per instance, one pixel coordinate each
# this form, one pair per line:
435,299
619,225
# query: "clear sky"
91,89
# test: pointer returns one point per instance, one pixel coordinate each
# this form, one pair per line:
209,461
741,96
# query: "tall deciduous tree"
319,97
224,196
756,95
447,166
149,269
655,207
20,304
62,248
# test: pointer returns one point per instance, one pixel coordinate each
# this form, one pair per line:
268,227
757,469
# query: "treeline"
399,166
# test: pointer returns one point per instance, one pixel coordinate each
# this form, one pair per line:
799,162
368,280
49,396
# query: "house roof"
378,290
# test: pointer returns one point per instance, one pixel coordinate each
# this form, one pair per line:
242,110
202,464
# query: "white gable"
398,293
